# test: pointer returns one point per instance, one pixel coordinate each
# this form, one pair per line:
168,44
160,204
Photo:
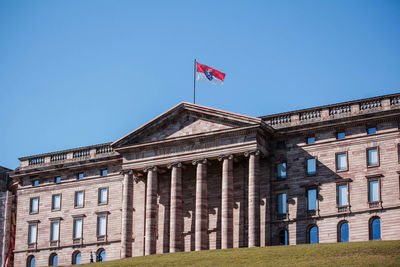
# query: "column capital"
255,152
123,172
150,168
197,161
174,164
227,156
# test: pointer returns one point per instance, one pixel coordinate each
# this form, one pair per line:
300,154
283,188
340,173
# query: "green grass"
375,253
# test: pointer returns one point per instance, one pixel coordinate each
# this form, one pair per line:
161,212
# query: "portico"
184,173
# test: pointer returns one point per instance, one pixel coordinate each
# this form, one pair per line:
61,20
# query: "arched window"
31,261
343,231
283,237
53,259
375,228
76,257
312,234
100,255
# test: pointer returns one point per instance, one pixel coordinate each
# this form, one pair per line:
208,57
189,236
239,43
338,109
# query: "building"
198,178
6,210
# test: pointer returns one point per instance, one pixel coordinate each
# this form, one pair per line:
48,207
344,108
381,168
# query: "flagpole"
194,82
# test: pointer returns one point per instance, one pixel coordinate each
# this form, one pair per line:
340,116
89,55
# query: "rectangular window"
310,140
32,233
371,130
34,205
343,195
56,202
311,166
341,162
373,191
80,176
312,199
103,196
101,225
55,227
79,199
57,180
77,228
104,172
35,182
281,170
282,203
372,157
340,135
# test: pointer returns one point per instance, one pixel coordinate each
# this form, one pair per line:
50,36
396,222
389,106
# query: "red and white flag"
205,73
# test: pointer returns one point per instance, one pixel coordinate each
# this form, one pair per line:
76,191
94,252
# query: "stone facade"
198,178
6,201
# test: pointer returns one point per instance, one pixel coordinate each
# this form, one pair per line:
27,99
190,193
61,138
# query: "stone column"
176,219
126,231
151,211
201,217
227,202
254,199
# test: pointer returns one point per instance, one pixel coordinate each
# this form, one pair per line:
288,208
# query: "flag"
205,73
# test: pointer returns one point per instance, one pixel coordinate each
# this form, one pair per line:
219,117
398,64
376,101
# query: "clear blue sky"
76,73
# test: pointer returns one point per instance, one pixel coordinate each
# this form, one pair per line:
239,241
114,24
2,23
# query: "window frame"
55,179
277,173
52,202
339,132
369,190
30,205
99,215
308,188
52,221
338,185
75,218
339,231
51,257
311,136
98,196
74,254
75,199
316,166
370,227
34,181
101,172
36,224
78,176
371,127
347,161
308,233
378,157
285,204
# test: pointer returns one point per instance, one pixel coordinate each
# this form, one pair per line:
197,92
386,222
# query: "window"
34,205
312,234
283,237
32,233
343,197
31,261
340,135
311,166
372,157
371,130
78,228
80,176
310,140
100,255
55,230
35,182
341,162
343,234
56,202
53,259
281,144
76,257
103,196
375,228
281,170
312,199
57,180
104,172
102,225
282,203
373,188
79,199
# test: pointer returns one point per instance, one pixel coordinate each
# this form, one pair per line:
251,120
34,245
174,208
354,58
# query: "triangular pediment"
184,120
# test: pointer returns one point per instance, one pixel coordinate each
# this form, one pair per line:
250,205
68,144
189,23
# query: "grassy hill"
374,253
